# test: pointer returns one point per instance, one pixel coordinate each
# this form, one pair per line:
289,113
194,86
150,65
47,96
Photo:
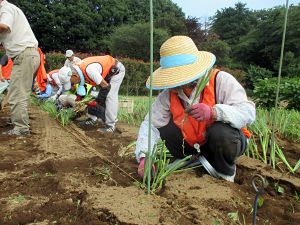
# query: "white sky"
207,8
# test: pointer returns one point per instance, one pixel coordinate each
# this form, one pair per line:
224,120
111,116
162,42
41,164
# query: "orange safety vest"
106,63
192,130
6,70
50,75
41,76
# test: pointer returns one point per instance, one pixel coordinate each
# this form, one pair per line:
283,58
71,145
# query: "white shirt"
70,63
57,81
94,72
19,35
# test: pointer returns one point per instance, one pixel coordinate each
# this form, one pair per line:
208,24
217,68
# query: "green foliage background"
247,43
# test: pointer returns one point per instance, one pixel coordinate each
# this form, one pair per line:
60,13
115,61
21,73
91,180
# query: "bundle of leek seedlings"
159,158
34,100
204,80
50,106
80,105
65,115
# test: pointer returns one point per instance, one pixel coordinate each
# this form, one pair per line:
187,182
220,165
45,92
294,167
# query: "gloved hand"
141,168
34,93
91,104
59,107
200,112
102,94
37,96
54,97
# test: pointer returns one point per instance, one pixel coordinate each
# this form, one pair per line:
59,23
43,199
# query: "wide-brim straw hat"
181,63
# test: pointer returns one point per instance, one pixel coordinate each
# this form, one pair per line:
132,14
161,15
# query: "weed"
292,209
9,215
217,221
296,197
278,189
234,216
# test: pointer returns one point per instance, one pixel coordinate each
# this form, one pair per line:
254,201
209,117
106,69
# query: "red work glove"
34,93
201,112
91,104
141,168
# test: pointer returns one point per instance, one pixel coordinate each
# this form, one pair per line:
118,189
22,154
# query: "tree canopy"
82,25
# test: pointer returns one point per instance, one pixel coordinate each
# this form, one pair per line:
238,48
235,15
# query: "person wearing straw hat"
71,58
214,128
106,72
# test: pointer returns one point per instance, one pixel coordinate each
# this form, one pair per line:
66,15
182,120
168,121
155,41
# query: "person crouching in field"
57,87
72,97
216,121
46,94
106,72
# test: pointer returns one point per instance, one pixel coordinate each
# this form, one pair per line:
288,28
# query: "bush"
137,73
291,93
264,93
56,60
254,73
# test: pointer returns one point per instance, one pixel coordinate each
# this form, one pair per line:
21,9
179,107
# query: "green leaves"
234,216
133,41
65,115
278,189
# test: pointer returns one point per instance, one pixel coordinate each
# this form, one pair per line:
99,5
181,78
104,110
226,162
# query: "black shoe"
9,121
107,128
89,121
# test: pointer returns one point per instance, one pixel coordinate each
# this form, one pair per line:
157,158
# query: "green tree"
133,41
290,65
219,48
84,25
174,26
262,45
194,31
232,23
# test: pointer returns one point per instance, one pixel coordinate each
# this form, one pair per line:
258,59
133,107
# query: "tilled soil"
75,175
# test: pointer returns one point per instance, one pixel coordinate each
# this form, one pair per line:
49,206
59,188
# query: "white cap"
69,53
64,76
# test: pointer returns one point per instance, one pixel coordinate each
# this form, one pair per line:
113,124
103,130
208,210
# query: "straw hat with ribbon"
181,63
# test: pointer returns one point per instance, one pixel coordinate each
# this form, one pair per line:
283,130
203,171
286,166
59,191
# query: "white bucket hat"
64,76
69,53
181,63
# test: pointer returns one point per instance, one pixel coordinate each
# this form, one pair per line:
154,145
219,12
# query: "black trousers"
224,144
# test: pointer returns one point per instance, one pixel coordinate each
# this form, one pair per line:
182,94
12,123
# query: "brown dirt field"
69,175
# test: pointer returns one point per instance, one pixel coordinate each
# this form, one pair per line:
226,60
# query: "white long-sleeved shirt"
19,35
232,107
70,63
59,84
